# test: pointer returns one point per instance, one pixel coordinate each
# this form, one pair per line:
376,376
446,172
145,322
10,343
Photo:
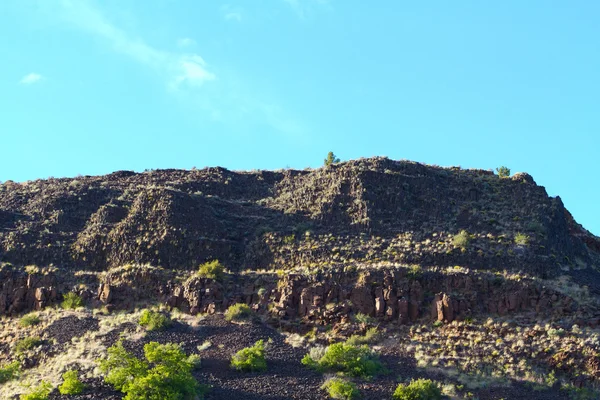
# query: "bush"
503,172
40,392
340,389
27,343
521,239
348,359
166,372
154,320
238,312
71,383
461,239
364,319
9,372
420,389
371,336
30,319
71,301
250,358
212,269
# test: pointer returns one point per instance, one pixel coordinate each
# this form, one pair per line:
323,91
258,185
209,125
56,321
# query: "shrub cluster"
358,361
521,239
238,312
71,301
420,389
211,269
154,320
250,358
71,383
341,389
166,372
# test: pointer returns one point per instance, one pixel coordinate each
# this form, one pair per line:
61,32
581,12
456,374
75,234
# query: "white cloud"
31,78
185,42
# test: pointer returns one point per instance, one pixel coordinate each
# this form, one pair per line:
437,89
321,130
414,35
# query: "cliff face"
369,210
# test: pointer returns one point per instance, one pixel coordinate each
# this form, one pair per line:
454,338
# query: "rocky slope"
371,209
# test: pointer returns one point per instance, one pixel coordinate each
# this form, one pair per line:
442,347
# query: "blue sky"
89,87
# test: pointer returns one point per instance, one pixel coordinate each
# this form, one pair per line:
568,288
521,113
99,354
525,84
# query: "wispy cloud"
303,8
31,78
231,13
185,42
185,74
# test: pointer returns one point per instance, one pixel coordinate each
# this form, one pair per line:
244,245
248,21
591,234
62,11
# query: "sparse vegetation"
420,389
238,312
71,383
40,392
71,301
9,371
28,343
164,374
212,270
154,320
250,358
358,361
503,172
364,319
371,336
341,389
30,319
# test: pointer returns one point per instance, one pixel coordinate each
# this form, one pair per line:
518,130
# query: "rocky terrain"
483,284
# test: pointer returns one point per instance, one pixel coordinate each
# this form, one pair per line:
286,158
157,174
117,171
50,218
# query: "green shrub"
420,389
27,343
71,301
154,320
166,372
371,336
461,239
348,359
238,312
503,172
521,239
250,358
30,319
340,389
40,392
71,383
211,269
9,371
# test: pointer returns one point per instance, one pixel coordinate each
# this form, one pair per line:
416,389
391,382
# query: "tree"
503,172
331,159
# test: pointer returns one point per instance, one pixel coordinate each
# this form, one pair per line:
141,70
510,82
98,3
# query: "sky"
93,86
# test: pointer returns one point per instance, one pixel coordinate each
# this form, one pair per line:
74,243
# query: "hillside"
450,265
